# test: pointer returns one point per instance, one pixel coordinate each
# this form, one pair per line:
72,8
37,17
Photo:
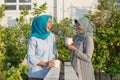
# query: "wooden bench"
68,73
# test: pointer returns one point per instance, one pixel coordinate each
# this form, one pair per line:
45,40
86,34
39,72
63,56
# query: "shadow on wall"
11,21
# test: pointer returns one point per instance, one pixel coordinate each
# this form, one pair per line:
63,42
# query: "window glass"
118,1
24,0
10,7
117,6
10,1
27,6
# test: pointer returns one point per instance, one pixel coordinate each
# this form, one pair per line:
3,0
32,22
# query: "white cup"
68,41
57,63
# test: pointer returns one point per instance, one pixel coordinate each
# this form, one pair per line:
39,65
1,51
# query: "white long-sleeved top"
40,50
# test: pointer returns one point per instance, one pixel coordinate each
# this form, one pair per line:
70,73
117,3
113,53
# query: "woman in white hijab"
82,49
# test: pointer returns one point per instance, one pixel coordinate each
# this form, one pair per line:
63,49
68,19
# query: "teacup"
68,41
57,63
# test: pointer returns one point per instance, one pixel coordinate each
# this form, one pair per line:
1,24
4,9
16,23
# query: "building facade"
57,8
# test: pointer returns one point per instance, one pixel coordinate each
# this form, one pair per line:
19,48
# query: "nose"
49,27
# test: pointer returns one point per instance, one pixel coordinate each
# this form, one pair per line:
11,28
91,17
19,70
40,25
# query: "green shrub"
62,30
107,38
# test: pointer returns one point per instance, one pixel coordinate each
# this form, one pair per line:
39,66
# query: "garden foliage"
106,57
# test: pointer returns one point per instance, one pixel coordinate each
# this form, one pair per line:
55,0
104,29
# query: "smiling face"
49,25
79,29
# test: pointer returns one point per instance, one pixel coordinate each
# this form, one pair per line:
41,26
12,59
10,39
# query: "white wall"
56,8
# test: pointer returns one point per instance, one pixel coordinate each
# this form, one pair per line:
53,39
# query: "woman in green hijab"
82,49
41,48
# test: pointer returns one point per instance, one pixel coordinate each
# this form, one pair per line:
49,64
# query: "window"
10,1
17,4
27,6
11,7
117,1
24,0
117,6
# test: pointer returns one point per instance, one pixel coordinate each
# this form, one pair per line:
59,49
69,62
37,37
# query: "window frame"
16,4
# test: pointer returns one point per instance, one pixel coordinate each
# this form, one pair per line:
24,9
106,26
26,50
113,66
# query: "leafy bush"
106,57
2,10
13,48
63,29
19,73
107,38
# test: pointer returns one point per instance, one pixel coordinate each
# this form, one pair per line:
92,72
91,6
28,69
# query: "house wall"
57,8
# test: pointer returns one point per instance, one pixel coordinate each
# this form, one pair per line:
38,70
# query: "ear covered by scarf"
39,25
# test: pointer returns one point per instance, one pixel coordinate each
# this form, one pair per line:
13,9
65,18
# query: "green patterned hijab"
39,25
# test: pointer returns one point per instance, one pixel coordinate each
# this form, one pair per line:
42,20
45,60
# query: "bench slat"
53,74
69,73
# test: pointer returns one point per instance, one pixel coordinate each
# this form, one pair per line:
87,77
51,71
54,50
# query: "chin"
48,31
